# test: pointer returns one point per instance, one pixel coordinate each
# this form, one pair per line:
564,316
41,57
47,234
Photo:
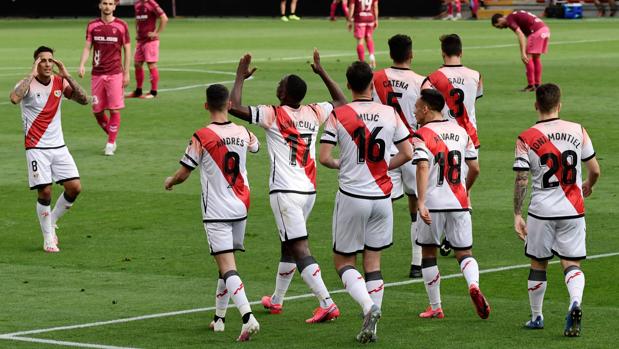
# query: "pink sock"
450,8
530,73
139,77
345,8
333,7
360,52
154,78
370,42
458,6
102,120
113,126
474,7
537,63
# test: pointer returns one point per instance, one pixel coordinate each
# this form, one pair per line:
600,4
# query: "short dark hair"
296,88
548,97
42,49
495,18
433,99
451,45
400,46
359,76
217,97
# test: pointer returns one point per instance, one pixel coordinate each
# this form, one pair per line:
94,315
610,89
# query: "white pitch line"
307,295
63,343
198,85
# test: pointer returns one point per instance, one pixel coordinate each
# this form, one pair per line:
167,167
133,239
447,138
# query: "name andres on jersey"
231,141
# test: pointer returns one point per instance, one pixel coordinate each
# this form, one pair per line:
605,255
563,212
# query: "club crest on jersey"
57,93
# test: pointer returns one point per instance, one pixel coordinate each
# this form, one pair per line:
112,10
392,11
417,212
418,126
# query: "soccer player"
48,159
147,48
450,10
363,216
441,149
399,87
344,4
293,9
291,130
533,36
612,5
363,16
108,37
219,150
552,151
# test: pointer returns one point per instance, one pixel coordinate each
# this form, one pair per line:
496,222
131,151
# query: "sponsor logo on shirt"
57,93
141,17
106,38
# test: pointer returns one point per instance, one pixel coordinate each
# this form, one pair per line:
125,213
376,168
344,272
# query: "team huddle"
402,134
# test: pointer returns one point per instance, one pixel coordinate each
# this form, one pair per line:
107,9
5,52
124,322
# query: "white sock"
416,250
575,282
432,281
45,220
372,58
355,286
285,273
222,297
61,207
237,292
375,286
470,269
313,278
536,286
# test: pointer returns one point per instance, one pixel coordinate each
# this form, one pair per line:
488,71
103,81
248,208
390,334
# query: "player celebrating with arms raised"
364,19
363,214
220,150
108,37
552,151
40,97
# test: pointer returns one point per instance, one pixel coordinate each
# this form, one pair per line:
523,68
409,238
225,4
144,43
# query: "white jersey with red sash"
291,139
40,109
552,150
445,146
220,151
365,131
461,87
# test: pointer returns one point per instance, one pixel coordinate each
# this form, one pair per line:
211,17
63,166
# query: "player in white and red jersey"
363,16
363,219
399,87
48,159
552,151
291,131
147,48
219,150
108,37
441,149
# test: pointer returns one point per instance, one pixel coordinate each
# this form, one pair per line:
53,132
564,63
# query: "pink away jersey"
107,40
526,21
364,11
146,14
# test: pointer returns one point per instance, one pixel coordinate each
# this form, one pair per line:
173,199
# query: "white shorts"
564,238
457,227
291,211
46,166
360,224
225,236
404,181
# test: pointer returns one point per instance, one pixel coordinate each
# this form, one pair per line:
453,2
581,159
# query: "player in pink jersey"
108,37
147,48
344,4
552,151
450,10
291,130
441,149
40,97
533,37
399,87
363,216
363,17
219,150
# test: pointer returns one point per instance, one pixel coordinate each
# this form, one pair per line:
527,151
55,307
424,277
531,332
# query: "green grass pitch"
129,248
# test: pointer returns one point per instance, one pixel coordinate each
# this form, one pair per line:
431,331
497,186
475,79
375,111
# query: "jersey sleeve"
263,115
420,150
329,135
470,152
193,154
522,162
88,33
254,144
126,38
401,132
157,9
587,152
323,110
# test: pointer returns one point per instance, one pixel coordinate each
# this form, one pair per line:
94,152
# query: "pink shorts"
363,30
107,92
537,43
147,51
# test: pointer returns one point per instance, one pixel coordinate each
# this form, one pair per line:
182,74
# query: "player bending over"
48,159
219,150
364,19
552,151
441,148
363,216
291,130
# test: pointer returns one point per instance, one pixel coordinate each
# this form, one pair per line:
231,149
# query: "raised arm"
334,89
22,88
77,92
242,72
84,58
520,191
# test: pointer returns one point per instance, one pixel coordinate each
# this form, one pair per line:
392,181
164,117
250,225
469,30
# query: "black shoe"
415,272
445,248
528,88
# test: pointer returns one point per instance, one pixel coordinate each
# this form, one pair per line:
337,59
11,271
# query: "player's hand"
126,79
243,69
524,58
168,184
520,226
35,66
349,25
316,67
81,71
153,35
587,189
425,214
376,24
62,70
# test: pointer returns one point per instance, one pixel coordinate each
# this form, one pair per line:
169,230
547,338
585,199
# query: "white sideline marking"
198,85
307,295
63,343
